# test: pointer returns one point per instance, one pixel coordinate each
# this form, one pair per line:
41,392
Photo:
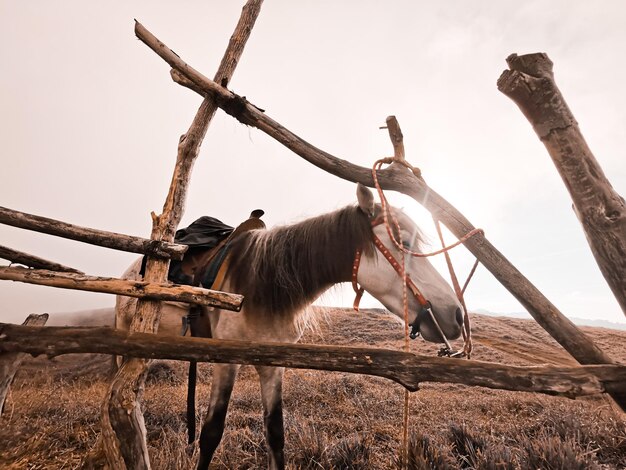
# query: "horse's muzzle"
424,324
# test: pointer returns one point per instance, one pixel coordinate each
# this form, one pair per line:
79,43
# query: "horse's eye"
406,245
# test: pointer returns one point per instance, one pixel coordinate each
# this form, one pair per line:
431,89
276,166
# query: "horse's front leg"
224,376
272,396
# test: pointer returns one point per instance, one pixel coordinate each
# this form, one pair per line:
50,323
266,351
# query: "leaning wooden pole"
529,82
407,369
123,428
10,361
396,178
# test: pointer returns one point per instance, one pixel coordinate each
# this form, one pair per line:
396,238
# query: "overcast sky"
90,120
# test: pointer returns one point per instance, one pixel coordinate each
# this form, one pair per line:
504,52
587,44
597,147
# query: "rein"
426,306
408,283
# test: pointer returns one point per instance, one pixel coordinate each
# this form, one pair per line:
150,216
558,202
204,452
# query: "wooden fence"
122,420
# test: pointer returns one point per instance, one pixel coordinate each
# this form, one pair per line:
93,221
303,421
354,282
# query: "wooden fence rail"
116,241
32,261
130,288
407,369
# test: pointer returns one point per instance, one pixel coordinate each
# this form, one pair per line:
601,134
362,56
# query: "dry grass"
334,420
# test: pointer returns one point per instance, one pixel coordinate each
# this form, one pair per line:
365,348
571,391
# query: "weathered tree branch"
117,241
397,139
600,209
407,369
400,179
32,261
10,361
130,288
123,428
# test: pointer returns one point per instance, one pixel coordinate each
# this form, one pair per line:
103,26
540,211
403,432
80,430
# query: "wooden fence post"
123,429
10,362
599,208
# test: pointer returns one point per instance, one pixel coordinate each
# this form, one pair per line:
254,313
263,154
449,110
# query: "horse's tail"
191,401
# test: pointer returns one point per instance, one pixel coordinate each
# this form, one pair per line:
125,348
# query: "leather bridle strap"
358,290
396,266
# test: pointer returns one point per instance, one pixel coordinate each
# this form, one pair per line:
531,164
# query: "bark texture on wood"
111,285
10,360
407,369
117,241
397,139
32,261
400,179
529,82
123,428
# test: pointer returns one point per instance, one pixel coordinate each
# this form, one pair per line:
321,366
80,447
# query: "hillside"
335,420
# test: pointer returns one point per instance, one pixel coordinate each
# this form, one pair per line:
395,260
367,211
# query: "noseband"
426,306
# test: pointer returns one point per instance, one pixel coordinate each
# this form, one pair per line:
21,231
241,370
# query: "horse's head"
378,277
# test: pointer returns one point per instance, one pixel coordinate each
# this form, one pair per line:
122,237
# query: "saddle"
207,267
201,236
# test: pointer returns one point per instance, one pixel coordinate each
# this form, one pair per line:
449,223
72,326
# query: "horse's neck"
288,268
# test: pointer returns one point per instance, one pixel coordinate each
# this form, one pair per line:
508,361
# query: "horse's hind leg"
272,396
224,376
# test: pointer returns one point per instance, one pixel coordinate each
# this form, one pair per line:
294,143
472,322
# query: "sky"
90,121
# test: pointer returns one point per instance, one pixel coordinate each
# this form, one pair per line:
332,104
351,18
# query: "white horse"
282,271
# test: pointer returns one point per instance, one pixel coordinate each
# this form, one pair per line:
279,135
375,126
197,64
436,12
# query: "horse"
283,270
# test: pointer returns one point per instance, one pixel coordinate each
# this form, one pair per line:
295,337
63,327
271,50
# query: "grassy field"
335,420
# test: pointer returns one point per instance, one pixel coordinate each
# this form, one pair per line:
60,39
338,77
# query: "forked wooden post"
123,428
579,345
397,139
10,361
529,82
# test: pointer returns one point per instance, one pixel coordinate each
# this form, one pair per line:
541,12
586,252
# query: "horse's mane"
280,271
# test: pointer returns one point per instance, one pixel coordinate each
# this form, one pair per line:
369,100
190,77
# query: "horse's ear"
366,199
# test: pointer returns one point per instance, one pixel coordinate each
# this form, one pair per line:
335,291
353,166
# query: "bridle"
423,302
426,306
